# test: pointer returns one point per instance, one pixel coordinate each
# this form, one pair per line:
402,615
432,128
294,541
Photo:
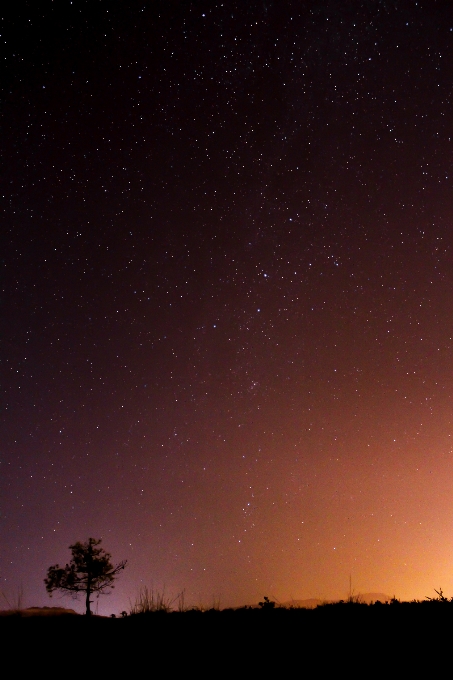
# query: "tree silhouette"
89,571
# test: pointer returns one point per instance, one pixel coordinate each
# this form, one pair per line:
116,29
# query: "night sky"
227,309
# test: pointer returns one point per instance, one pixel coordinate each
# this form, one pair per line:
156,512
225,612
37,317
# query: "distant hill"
39,611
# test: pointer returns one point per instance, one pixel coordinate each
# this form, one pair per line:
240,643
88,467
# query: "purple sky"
227,297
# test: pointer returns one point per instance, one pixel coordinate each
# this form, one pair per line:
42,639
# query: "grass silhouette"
149,601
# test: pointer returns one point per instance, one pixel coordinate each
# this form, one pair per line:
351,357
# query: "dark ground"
363,641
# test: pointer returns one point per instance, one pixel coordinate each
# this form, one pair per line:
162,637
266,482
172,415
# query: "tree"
89,571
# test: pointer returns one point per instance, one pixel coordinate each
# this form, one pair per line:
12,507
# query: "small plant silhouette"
267,604
440,597
15,603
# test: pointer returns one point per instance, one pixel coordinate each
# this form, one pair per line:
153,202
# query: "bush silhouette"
267,604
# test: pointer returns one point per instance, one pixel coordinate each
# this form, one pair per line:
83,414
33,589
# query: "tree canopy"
89,571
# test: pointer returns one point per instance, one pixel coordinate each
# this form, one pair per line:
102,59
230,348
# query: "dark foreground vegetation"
253,639
350,638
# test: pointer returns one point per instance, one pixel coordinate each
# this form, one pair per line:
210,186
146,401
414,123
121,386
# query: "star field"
227,296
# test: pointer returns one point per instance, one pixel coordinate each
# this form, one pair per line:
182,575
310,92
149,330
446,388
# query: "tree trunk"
89,574
87,601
